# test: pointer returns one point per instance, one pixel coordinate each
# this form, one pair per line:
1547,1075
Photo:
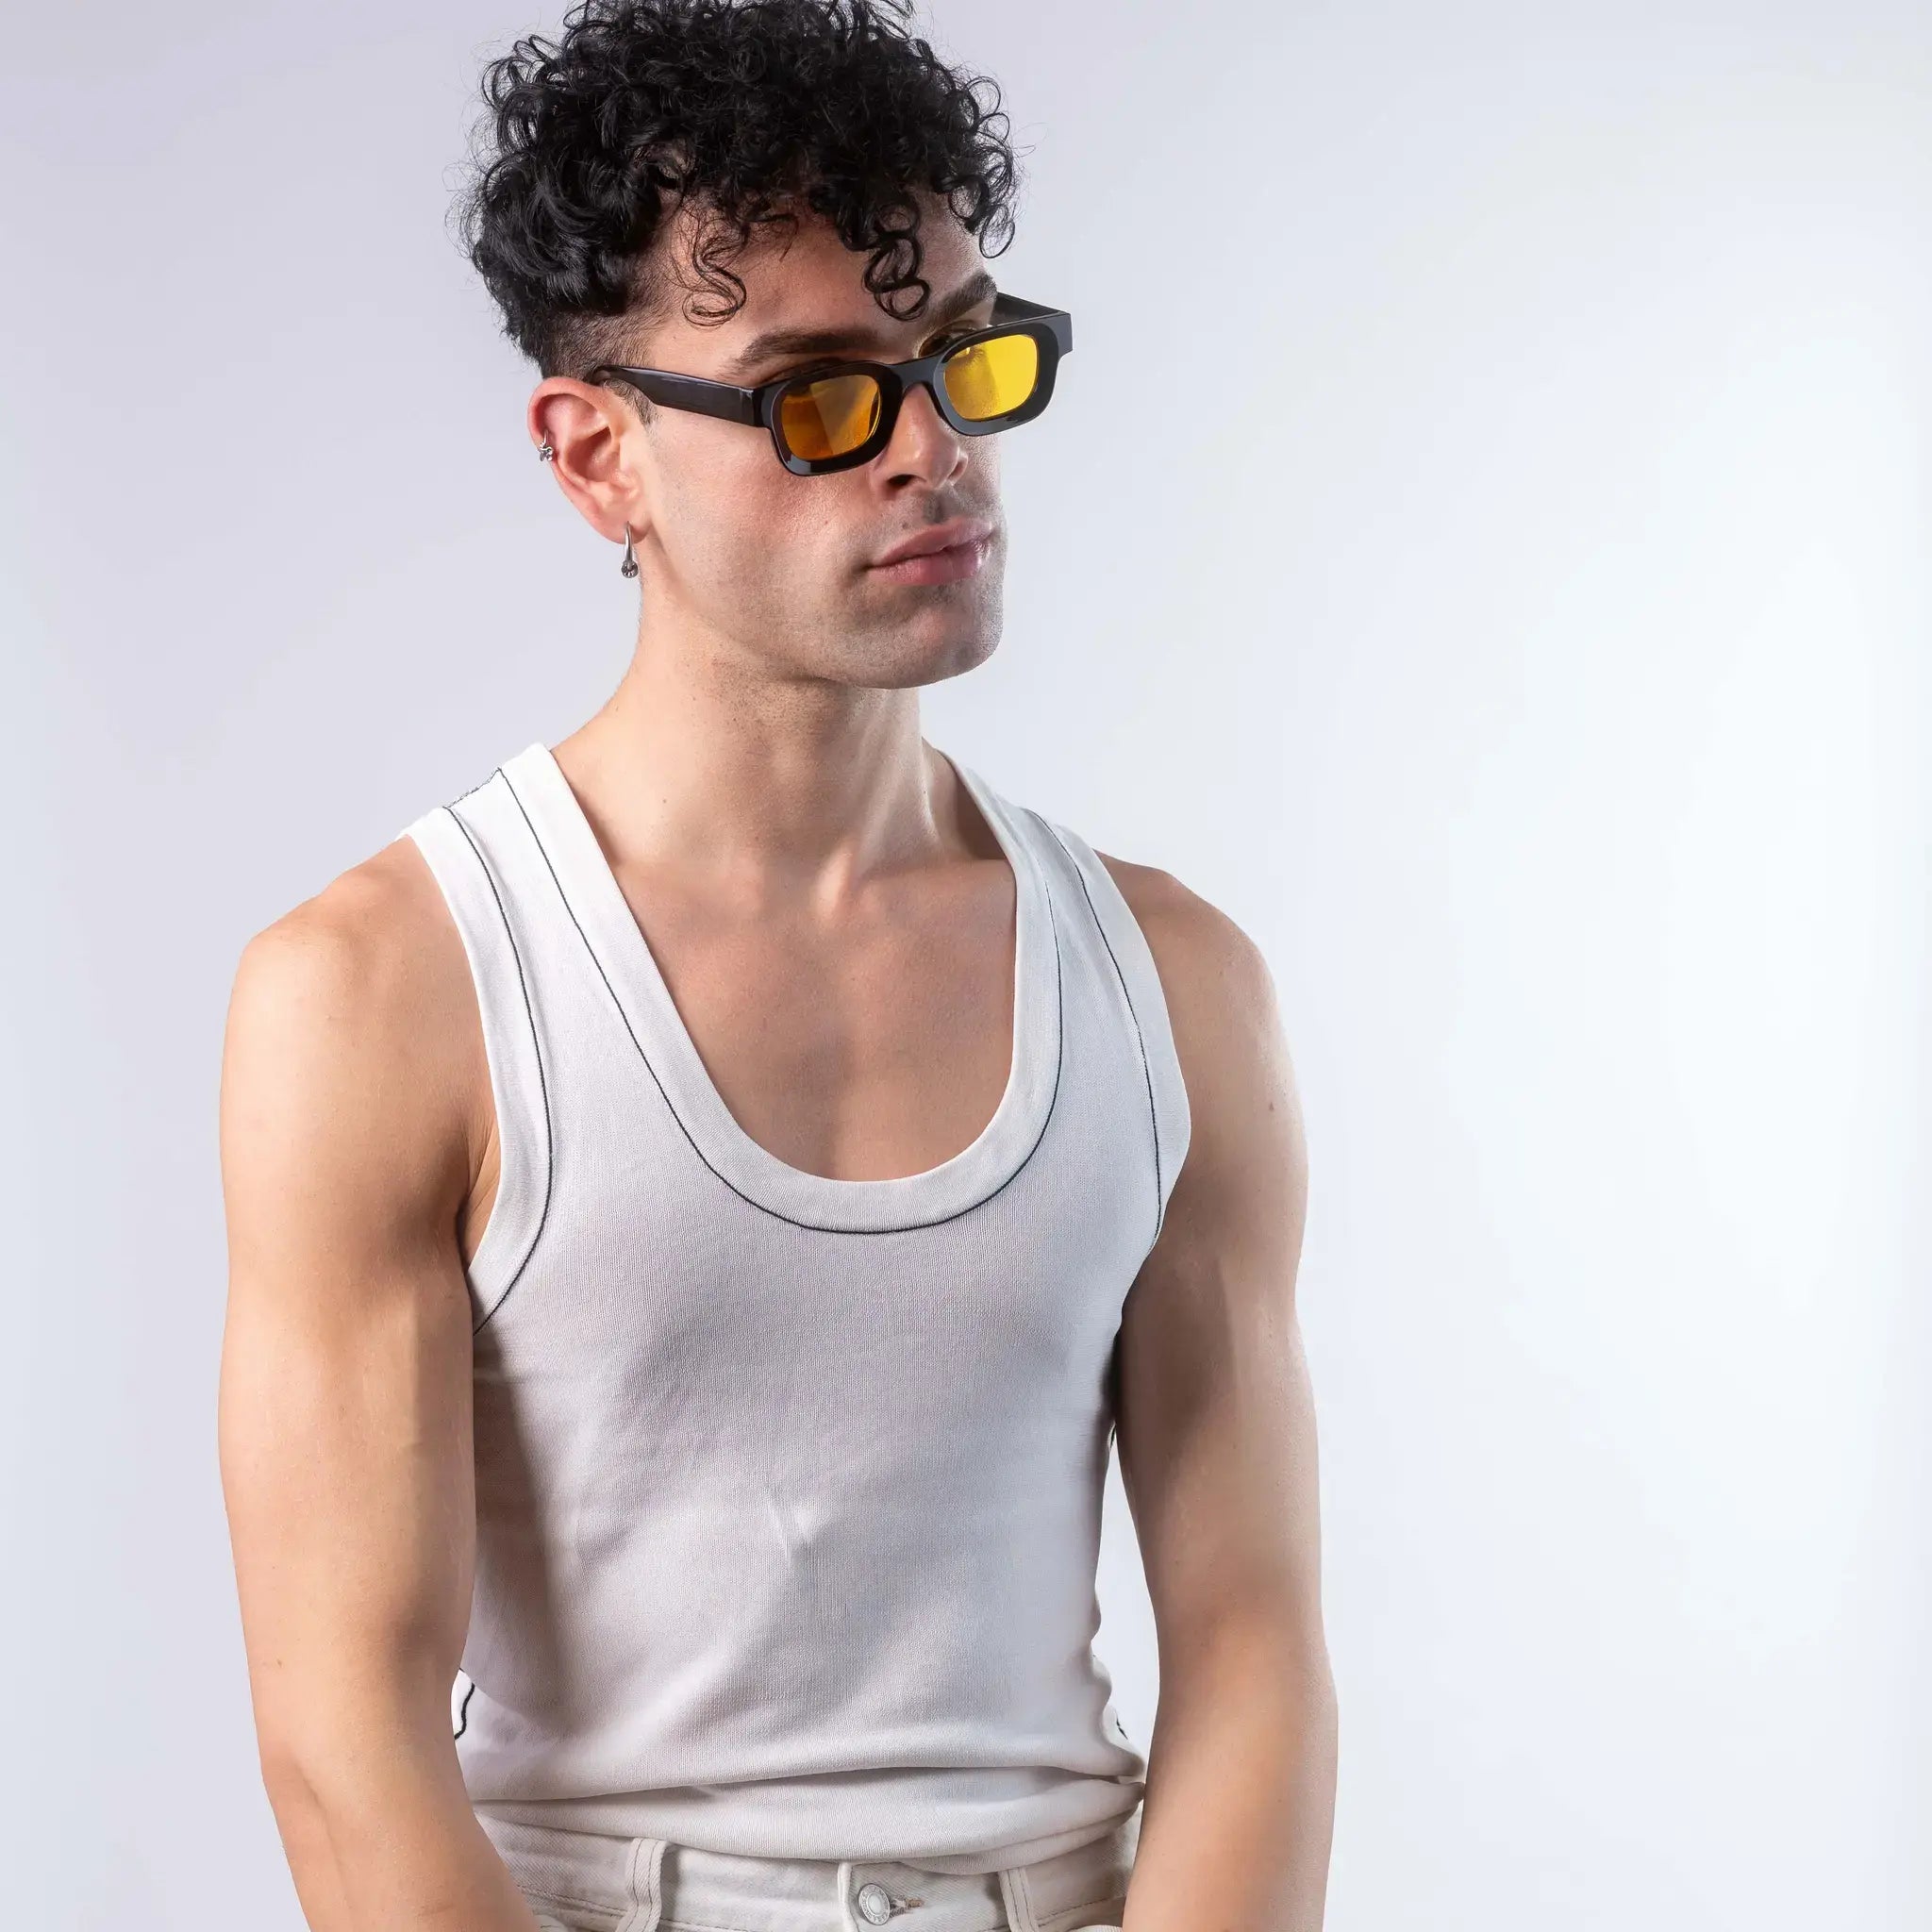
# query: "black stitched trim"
1140,1038
463,1709
777,1214
536,1048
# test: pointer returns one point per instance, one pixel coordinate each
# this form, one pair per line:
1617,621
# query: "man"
703,1202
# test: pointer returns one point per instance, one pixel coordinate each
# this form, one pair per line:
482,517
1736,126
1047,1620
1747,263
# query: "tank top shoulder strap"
471,847
1081,878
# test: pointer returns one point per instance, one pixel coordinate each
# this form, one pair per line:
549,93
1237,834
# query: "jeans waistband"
610,1884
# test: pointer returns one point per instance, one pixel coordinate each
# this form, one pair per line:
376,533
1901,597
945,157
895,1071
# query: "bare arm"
1217,1446
349,1148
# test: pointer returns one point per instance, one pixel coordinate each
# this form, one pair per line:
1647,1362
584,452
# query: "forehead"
804,281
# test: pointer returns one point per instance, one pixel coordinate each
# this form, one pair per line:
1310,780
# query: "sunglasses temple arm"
693,392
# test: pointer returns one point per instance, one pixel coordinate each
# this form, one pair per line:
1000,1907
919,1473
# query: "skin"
836,925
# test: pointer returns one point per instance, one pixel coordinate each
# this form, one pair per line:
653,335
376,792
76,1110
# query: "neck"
710,765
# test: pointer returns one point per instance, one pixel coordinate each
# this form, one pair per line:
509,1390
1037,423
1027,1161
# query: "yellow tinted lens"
993,377
830,416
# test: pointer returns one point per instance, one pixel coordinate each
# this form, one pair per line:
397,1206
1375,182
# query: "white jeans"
546,1923
579,1881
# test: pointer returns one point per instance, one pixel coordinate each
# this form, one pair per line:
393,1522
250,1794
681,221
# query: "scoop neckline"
616,941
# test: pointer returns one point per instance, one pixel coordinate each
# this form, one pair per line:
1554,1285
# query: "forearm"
1240,1808
390,1838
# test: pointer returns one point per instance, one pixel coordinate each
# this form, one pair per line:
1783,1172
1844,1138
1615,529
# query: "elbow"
337,1760
292,1793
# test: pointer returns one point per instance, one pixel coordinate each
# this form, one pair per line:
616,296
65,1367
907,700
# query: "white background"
1517,622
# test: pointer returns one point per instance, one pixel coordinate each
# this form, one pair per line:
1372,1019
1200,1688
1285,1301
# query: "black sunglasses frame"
1052,329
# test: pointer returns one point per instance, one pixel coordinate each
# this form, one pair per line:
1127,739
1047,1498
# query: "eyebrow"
789,342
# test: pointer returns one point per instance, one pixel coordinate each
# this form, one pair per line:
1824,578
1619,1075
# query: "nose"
924,447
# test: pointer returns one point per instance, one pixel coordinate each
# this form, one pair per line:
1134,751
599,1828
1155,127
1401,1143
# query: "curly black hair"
745,109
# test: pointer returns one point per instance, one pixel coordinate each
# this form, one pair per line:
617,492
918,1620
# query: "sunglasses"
836,416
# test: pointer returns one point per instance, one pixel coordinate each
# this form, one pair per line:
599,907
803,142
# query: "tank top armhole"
517,1083
1139,978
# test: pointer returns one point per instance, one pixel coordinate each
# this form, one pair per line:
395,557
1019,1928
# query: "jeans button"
874,1904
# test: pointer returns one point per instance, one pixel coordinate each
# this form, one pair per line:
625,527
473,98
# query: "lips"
956,533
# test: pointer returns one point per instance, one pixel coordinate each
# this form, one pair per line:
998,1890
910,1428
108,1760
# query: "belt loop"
1019,1900
644,1883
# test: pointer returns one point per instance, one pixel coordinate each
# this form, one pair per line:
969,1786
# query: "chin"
923,642
927,653
969,654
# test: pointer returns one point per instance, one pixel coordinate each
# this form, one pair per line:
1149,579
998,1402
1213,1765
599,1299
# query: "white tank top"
789,1488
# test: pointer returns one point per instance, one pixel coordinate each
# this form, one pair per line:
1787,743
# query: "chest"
871,1048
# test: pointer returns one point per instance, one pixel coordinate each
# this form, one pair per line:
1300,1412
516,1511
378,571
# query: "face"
781,570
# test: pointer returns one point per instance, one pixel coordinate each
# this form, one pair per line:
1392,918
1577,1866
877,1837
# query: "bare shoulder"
373,957
1219,988
1229,1037
352,1057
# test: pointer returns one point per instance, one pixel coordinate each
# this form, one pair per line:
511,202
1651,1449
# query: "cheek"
728,503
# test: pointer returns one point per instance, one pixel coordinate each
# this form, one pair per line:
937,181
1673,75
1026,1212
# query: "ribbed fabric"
789,1489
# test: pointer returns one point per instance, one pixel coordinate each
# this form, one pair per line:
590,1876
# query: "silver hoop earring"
629,565
545,453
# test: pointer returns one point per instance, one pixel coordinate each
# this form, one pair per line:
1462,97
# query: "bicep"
345,1399
1217,1423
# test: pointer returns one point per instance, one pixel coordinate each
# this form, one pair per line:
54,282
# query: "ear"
595,439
